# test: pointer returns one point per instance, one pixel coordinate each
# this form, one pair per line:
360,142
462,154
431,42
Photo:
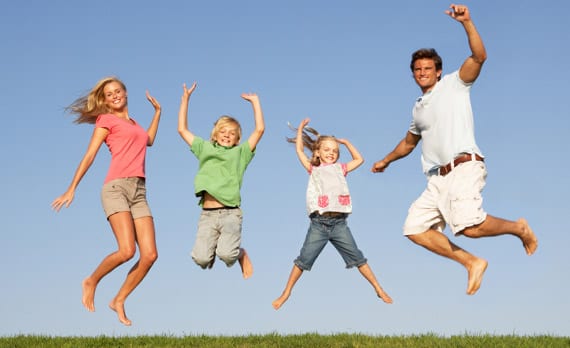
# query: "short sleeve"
344,167
105,121
197,146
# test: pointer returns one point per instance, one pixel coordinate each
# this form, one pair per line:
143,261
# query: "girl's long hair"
312,141
89,106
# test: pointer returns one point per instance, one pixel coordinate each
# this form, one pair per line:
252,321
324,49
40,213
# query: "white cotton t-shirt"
444,119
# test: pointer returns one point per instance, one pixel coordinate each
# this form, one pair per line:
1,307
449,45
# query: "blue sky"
346,66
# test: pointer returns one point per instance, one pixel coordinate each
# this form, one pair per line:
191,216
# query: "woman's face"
115,96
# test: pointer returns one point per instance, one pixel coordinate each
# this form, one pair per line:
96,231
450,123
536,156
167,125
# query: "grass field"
287,341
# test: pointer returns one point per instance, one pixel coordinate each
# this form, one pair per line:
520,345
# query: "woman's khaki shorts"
125,194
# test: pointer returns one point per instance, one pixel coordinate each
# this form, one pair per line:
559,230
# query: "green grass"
288,341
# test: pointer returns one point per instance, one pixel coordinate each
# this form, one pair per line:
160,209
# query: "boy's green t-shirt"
221,170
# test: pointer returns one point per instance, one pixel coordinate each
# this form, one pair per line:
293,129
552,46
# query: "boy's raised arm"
183,114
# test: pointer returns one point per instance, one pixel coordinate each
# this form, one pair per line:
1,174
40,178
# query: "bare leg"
438,243
245,264
493,226
366,271
122,226
145,238
296,273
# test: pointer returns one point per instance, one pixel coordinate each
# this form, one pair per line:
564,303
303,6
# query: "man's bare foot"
280,301
527,237
119,308
245,264
88,294
475,274
384,296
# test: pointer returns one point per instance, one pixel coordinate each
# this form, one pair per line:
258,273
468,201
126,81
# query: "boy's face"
227,135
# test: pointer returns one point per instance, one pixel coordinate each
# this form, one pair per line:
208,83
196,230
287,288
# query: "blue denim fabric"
322,230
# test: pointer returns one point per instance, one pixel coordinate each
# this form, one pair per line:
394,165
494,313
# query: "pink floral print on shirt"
323,201
344,199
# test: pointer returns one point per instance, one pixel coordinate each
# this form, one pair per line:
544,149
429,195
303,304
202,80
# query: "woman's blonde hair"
312,141
89,106
221,123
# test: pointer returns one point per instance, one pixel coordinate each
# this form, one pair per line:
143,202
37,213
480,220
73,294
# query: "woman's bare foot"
88,294
245,264
280,301
119,308
475,275
527,237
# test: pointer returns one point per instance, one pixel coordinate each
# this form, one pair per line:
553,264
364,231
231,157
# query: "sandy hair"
91,105
221,123
313,141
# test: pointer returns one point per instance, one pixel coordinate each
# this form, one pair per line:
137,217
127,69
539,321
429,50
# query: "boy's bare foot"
88,294
245,264
475,274
384,296
527,237
280,301
119,308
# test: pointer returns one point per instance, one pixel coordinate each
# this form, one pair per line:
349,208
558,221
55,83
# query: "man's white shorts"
454,199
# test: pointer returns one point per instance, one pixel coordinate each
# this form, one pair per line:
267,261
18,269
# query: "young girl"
222,163
124,193
328,205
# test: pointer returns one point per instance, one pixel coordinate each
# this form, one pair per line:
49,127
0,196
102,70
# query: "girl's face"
328,151
227,135
115,96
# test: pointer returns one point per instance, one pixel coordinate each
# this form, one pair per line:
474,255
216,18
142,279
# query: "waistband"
466,157
331,214
219,208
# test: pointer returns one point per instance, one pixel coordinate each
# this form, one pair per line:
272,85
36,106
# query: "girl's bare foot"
384,296
119,308
527,237
280,301
475,274
245,264
88,294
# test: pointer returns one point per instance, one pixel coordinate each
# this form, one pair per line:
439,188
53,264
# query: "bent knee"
149,258
202,262
229,258
126,254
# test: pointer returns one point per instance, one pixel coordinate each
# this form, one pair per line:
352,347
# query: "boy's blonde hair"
313,141
222,122
89,106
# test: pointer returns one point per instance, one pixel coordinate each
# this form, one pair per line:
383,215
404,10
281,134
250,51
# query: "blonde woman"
123,194
222,164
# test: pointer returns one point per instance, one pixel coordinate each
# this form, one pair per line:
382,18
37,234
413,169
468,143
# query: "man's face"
425,74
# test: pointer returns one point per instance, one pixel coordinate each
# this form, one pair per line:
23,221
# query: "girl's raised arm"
299,146
357,158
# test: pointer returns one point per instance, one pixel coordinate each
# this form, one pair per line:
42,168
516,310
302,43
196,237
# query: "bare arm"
258,117
153,128
97,139
183,115
404,148
471,68
357,158
299,147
